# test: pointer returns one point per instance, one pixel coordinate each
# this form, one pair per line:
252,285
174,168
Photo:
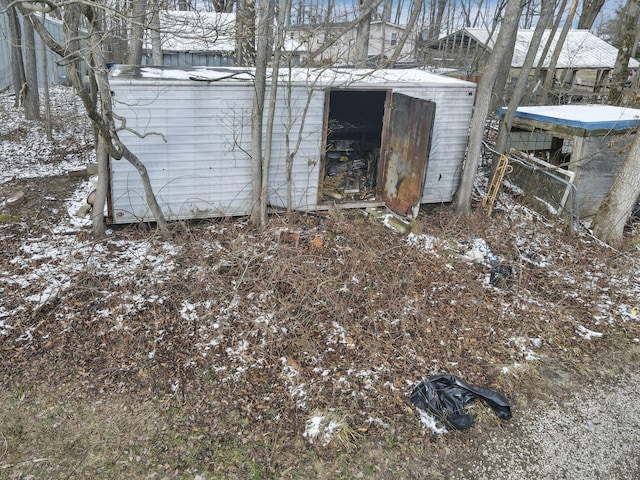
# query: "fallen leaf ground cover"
231,352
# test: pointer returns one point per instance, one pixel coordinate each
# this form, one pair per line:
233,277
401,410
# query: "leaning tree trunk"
523,78
613,213
462,200
497,96
548,81
628,29
32,94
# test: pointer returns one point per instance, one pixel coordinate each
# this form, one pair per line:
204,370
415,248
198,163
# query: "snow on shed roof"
581,49
587,117
316,77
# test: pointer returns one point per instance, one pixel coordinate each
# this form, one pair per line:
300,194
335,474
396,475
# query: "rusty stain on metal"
408,153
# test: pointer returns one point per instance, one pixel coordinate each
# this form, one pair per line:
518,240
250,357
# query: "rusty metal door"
409,139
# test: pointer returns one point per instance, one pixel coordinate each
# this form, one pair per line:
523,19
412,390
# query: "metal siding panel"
207,128
201,171
448,139
305,169
409,138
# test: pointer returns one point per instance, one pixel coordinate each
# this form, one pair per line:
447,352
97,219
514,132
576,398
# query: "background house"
190,38
383,39
585,60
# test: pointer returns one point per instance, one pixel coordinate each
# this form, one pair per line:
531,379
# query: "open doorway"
354,128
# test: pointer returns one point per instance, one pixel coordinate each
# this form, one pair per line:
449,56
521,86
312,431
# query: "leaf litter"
317,335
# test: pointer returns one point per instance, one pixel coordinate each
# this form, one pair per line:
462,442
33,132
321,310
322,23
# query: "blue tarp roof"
587,117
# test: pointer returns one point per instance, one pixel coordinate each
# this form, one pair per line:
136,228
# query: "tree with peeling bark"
613,213
462,199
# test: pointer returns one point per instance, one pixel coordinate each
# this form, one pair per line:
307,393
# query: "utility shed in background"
590,142
355,138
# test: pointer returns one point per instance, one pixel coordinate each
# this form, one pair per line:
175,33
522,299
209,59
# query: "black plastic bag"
446,395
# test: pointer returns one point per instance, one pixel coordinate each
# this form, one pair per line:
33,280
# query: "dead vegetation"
244,335
213,354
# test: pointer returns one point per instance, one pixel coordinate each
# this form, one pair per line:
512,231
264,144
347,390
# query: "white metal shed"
357,137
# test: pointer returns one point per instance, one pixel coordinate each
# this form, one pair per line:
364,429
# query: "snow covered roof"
587,117
193,31
317,77
582,49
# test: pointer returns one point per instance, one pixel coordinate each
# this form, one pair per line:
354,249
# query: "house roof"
581,49
192,31
587,117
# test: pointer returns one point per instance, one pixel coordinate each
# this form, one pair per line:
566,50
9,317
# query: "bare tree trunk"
45,88
362,35
257,120
462,200
154,34
613,213
17,63
97,209
273,95
434,30
497,96
590,10
245,33
136,36
548,81
628,29
523,78
32,95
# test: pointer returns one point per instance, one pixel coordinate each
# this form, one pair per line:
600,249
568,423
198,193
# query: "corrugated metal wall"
204,168
448,139
54,71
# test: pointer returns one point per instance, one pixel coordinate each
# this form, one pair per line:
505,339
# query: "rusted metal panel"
409,138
